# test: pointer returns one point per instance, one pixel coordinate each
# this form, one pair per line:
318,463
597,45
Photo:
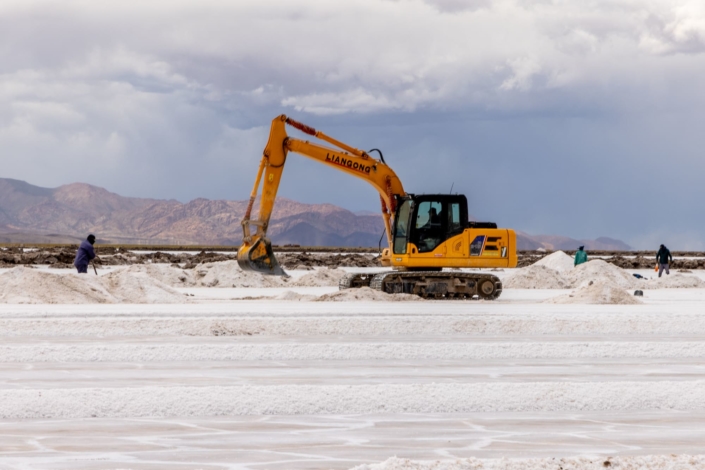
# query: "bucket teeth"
260,258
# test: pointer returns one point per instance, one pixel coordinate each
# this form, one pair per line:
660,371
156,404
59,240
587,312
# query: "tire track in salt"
368,326
173,352
158,402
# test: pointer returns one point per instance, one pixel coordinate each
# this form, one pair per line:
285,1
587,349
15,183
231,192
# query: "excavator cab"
426,221
432,231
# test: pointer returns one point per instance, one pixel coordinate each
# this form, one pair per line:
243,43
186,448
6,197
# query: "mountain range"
32,214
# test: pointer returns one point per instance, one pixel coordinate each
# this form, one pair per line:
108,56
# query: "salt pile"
599,292
558,261
600,270
320,277
366,294
165,273
629,462
27,286
556,272
229,274
535,277
294,296
675,281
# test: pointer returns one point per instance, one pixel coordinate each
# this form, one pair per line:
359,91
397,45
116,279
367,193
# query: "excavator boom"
256,252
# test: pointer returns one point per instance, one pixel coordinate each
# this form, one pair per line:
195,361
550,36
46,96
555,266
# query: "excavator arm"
255,253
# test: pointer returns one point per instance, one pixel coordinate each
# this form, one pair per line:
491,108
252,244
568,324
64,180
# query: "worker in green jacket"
580,256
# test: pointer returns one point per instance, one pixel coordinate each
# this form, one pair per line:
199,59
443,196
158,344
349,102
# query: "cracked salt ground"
288,384
334,385
330,441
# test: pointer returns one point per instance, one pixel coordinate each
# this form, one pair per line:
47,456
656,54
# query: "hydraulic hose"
381,157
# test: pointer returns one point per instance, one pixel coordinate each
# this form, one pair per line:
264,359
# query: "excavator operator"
433,219
430,233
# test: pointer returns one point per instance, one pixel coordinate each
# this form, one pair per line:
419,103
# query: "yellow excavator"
425,233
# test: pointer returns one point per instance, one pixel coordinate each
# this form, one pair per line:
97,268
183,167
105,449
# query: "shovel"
94,269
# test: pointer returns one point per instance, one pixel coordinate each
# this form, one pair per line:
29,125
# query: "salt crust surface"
366,294
632,462
163,402
21,285
599,292
676,281
617,322
179,352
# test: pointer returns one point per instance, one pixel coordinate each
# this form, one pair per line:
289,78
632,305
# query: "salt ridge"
176,352
165,402
631,462
623,322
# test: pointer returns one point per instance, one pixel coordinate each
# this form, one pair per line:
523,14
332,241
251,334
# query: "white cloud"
360,101
523,70
368,56
678,29
172,98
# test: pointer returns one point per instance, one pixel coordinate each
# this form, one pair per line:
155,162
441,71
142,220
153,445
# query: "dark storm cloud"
562,117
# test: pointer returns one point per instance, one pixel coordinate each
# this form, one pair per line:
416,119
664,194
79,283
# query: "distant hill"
31,214
557,242
68,213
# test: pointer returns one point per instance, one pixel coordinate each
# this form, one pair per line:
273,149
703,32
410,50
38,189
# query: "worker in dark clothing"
430,232
85,254
580,256
434,221
662,258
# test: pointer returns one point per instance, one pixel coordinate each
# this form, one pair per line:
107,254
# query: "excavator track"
430,284
355,281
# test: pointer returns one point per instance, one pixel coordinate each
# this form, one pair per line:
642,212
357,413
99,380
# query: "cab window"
401,225
429,231
455,225
429,214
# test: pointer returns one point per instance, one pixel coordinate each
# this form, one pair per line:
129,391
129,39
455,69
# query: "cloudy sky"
576,117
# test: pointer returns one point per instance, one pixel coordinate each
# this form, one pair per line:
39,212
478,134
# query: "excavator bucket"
260,258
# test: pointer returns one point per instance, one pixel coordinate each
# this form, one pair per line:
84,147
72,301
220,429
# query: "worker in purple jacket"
85,254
